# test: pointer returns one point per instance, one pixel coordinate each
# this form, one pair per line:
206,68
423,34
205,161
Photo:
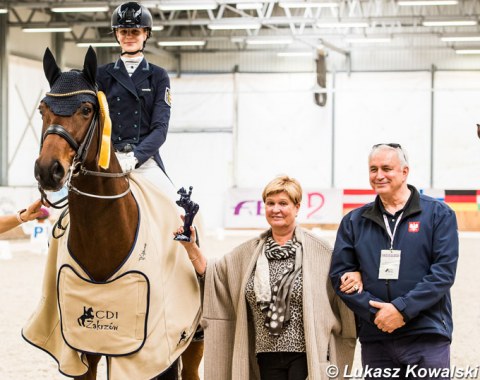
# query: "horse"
107,212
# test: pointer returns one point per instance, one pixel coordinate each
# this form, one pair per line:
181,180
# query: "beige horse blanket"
142,318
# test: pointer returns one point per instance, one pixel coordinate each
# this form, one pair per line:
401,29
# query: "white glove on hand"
127,161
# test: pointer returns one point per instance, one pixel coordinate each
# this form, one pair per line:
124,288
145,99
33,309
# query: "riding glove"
127,161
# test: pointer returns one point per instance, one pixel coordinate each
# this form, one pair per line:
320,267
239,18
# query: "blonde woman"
270,311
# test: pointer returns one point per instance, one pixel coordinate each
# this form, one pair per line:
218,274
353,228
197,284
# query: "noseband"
57,129
77,166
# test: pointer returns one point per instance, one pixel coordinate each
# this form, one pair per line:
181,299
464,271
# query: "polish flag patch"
413,226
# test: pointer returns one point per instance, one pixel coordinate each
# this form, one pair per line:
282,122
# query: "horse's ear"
90,66
52,71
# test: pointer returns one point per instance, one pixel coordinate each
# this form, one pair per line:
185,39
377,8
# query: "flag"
462,200
354,198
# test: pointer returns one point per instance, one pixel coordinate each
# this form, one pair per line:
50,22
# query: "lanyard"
389,231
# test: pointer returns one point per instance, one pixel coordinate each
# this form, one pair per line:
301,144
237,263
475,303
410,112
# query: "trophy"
191,208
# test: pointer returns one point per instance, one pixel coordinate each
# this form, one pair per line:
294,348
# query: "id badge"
389,264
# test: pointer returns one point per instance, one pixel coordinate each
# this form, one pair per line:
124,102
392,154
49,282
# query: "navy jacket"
428,239
139,107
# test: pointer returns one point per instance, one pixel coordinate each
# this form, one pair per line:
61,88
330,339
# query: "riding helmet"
132,15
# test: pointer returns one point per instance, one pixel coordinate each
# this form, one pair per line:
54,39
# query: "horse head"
69,113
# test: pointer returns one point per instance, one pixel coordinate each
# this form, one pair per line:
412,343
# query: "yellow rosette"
106,123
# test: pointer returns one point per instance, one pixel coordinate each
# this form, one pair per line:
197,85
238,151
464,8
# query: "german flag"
462,200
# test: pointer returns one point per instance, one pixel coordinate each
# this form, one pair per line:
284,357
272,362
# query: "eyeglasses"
392,145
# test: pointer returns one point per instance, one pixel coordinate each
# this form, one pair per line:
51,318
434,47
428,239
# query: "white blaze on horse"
116,284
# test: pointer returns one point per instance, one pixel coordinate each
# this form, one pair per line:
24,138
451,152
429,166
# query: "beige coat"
229,333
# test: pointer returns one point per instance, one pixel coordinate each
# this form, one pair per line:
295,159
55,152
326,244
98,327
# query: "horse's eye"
86,111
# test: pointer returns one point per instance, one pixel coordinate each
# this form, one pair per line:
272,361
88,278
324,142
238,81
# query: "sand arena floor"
21,279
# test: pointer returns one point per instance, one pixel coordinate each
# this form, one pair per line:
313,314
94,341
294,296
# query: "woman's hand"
193,236
194,254
32,212
7,222
351,282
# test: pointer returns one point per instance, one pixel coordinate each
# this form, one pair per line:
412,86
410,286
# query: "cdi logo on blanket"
98,320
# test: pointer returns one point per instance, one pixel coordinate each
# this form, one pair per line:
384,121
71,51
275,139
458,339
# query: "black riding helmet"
132,15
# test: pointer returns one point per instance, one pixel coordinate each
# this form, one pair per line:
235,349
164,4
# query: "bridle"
77,167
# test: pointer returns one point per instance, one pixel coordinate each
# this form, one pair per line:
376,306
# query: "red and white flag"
354,198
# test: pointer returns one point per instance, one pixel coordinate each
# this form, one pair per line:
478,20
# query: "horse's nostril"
57,171
49,175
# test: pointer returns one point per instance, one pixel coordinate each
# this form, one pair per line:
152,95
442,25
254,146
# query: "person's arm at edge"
7,222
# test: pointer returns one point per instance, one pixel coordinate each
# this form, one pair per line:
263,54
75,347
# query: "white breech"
152,172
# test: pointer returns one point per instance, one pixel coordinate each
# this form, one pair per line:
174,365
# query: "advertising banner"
245,208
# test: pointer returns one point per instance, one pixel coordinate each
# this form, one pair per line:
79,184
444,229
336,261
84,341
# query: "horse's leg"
170,374
191,359
92,368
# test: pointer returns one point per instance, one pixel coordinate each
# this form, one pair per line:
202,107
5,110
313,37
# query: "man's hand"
387,318
127,161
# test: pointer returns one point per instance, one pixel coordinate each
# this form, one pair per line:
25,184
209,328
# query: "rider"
139,100
138,96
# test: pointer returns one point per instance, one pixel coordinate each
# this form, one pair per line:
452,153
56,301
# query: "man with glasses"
405,245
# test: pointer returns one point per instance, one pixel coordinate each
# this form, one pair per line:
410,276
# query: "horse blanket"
141,319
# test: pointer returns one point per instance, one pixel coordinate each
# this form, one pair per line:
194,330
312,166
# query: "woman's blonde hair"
284,184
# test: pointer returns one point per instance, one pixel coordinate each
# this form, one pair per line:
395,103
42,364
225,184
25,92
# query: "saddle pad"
108,318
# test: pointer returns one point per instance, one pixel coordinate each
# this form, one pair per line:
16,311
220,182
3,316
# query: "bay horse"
104,220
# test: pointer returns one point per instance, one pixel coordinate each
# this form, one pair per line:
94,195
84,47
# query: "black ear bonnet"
70,82
72,88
